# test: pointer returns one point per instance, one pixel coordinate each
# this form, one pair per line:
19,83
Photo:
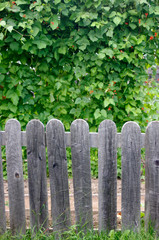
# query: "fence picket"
131,161
37,180
56,148
81,173
15,176
2,203
107,175
152,176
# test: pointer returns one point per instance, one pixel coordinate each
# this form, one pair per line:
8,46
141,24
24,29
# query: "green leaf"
1,36
92,36
14,46
132,12
35,31
41,44
108,51
4,5
117,20
113,14
104,113
78,101
43,67
2,23
10,28
132,25
110,33
54,22
62,50
97,113
57,1
101,55
58,85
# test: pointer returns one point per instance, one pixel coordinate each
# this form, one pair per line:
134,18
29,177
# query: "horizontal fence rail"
93,139
54,141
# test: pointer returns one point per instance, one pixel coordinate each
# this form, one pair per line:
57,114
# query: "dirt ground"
94,198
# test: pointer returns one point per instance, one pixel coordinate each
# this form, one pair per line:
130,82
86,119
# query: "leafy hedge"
71,59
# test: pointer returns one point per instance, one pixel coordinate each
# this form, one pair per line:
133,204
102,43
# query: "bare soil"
94,198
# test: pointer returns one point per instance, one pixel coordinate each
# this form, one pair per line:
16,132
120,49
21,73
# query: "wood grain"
152,176
37,180
2,202
107,175
131,161
56,148
15,176
81,173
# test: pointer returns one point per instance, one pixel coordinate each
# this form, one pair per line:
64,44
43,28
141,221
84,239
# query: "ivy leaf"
117,20
101,55
1,36
10,28
108,51
43,67
132,25
92,36
40,44
4,5
57,1
104,113
113,14
14,46
54,22
110,33
35,31
2,23
62,50
78,101
97,113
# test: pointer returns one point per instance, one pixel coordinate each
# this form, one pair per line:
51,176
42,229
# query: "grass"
72,234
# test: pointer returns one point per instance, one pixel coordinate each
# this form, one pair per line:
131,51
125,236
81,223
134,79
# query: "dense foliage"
71,59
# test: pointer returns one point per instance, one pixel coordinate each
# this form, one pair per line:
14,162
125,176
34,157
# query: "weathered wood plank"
107,175
152,176
81,173
2,202
56,148
15,176
37,180
131,161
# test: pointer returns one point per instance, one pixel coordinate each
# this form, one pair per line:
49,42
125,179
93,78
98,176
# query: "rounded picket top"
129,126
107,124
13,124
34,123
80,123
54,123
131,164
107,175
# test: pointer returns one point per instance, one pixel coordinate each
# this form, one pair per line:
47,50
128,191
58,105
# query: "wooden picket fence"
107,140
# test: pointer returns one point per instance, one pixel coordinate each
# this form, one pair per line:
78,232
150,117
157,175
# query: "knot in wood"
17,175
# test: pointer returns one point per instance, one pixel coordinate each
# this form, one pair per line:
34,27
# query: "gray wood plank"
37,180
107,175
15,176
56,148
152,176
80,148
2,202
131,161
